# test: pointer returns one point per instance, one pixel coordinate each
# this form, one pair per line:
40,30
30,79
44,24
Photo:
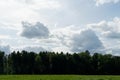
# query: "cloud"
115,50
34,31
112,35
4,37
62,13
102,37
31,48
75,39
109,33
108,29
36,49
101,2
5,48
42,4
86,40
64,35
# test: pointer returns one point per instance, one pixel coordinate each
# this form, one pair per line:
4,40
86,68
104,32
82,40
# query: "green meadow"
57,77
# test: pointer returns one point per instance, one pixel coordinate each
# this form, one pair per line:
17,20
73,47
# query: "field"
57,77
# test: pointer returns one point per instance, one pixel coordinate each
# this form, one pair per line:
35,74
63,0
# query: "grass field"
57,77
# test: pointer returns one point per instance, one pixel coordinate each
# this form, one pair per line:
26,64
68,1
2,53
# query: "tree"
1,62
97,62
85,62
59,63
38,65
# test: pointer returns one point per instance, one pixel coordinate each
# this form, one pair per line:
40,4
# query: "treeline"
59,63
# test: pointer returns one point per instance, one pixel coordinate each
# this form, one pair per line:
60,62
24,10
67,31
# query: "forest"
83,63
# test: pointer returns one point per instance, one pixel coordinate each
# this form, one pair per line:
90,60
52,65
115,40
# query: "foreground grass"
57,77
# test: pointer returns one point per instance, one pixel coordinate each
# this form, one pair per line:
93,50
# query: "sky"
60,25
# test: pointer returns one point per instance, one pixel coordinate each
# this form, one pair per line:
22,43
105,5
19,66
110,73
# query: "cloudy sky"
60,25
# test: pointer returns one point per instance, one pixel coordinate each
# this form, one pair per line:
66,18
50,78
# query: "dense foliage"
59,63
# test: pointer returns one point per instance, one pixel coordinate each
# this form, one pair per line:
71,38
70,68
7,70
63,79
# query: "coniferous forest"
82,63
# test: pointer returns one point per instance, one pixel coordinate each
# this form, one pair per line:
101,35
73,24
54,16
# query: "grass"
57,77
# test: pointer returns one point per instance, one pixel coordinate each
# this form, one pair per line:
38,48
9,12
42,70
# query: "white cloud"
113,35
15,11
74,39
109,33
101,2
62,13
34,31
64,35
109,29
34,49
52,4
31,48
5,48
115,50
41,4
4,37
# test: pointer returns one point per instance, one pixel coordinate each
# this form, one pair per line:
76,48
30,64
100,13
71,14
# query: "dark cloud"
34,31
86,40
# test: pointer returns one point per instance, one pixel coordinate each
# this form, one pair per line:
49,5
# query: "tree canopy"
59,63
